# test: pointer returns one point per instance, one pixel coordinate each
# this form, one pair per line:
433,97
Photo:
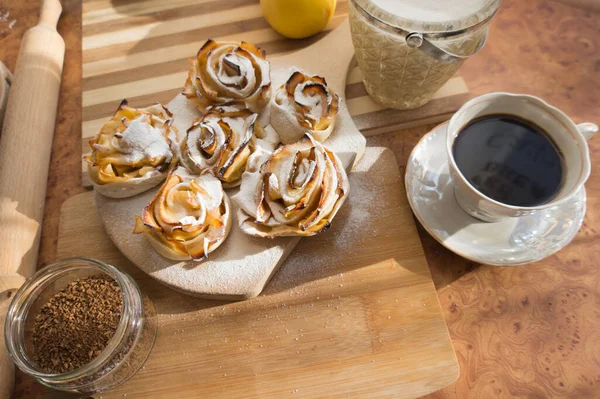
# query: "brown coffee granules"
76,324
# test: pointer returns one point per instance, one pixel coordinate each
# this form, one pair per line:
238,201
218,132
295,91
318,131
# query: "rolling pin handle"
51,10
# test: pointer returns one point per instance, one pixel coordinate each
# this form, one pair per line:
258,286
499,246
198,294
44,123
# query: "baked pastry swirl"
189,217
225,72
304,104
296,192
223,140
132,152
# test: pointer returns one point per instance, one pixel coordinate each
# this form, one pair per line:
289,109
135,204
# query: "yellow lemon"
298,19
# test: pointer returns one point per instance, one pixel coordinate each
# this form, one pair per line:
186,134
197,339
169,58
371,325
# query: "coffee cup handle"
587,129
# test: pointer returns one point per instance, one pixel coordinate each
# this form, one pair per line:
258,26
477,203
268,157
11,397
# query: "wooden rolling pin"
25,146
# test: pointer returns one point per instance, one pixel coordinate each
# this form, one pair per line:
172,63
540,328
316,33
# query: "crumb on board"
6,19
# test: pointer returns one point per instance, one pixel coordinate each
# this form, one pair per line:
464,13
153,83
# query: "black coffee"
510,160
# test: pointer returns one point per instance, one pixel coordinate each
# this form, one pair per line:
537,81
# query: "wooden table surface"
525,332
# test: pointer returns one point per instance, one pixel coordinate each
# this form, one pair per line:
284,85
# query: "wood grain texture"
25,147
330,324
141,52
533,331
590,5
540,47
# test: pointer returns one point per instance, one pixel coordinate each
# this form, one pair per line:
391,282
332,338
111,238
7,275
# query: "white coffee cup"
571,139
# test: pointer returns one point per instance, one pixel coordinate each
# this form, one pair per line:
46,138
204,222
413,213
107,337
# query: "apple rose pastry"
188,218
224,72
304,104
296,192
223,140
132,152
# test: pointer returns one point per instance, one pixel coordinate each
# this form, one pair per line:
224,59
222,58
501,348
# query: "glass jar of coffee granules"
80,325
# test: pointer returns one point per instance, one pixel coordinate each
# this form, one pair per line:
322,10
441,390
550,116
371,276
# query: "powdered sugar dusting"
362,221
4,15
369,159
142,141
190,221
243,261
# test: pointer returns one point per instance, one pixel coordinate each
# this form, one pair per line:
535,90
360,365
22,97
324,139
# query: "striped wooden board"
140,50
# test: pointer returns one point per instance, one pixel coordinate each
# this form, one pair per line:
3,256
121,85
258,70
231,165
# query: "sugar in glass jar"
407,50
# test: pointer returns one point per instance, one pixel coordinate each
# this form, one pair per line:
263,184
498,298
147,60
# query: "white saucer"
511,242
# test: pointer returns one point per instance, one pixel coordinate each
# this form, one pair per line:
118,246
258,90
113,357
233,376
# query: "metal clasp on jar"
422,41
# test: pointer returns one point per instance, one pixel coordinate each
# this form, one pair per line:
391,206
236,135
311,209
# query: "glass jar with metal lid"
407,49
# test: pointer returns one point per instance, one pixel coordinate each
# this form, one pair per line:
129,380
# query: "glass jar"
407,50
125,352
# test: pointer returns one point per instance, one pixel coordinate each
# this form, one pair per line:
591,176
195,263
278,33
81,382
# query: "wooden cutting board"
140,49
351,313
